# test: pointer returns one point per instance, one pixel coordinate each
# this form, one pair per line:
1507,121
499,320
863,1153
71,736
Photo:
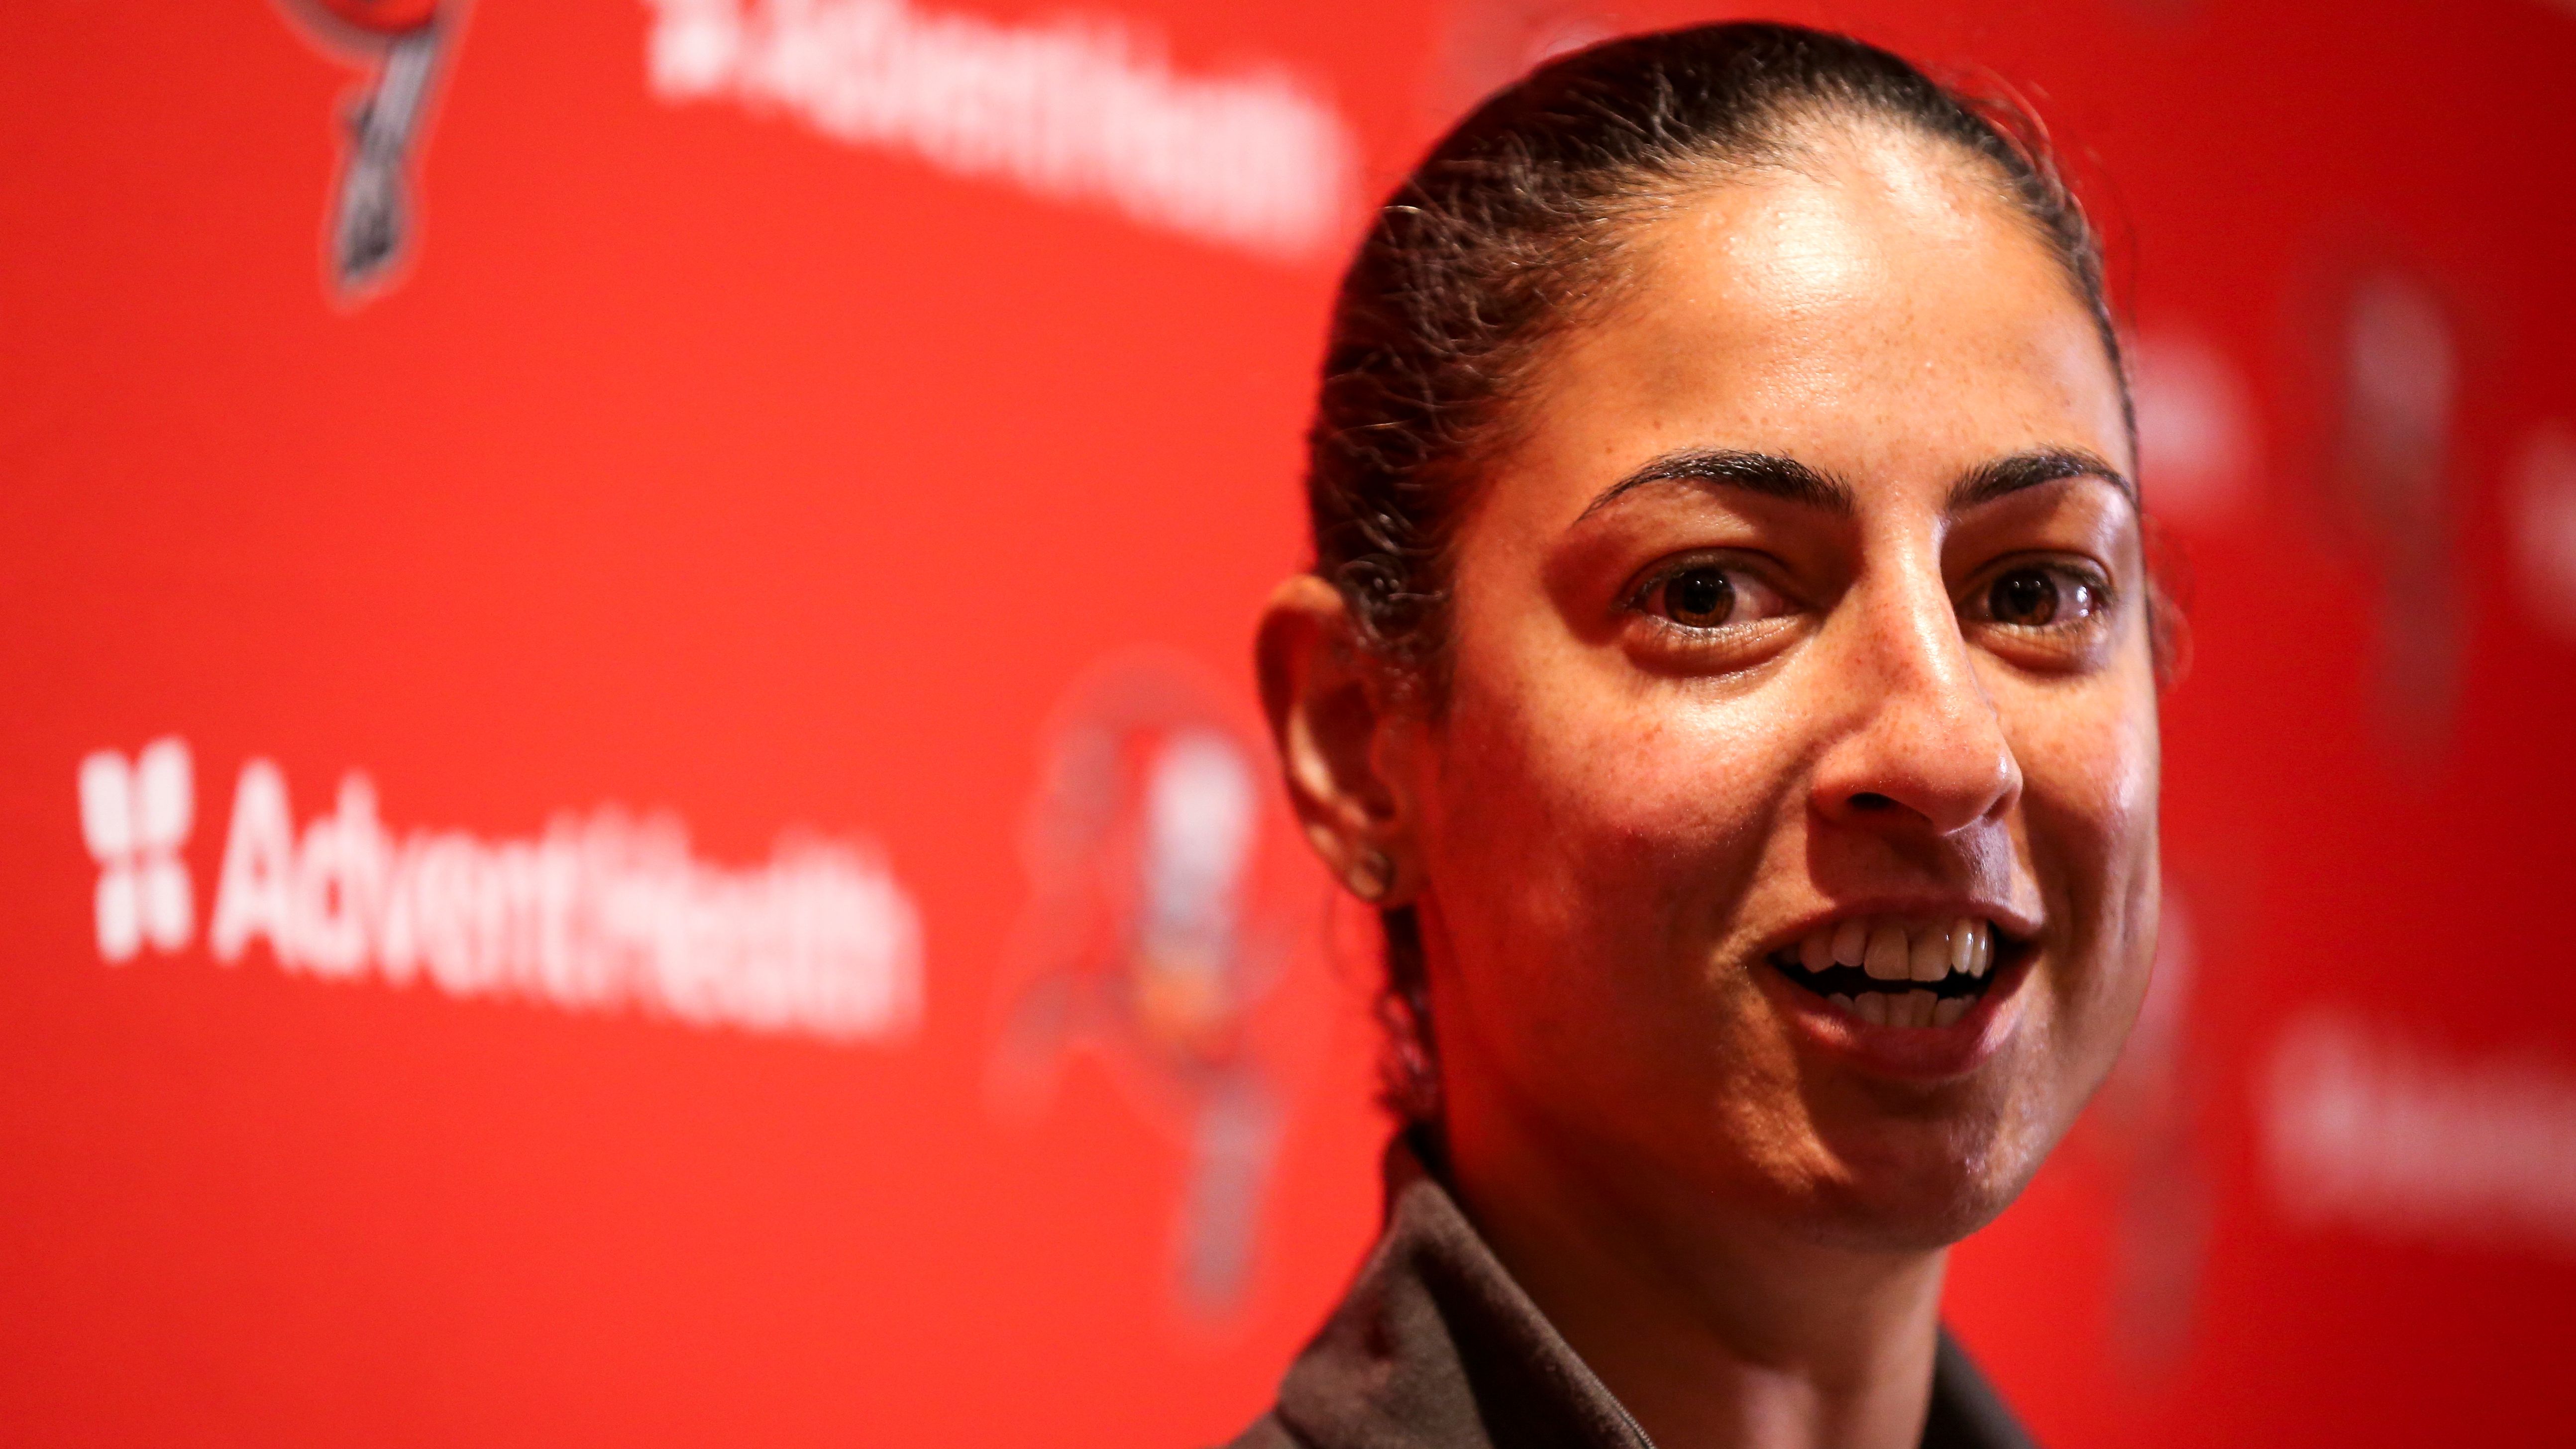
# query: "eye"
1701,598
2041,596
1704,595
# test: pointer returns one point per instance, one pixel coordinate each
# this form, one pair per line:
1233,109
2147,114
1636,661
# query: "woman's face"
1787,839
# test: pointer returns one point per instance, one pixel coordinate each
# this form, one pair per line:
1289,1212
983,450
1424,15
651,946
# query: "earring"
1372,875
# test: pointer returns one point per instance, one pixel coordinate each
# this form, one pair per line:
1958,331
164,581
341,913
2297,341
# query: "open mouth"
1890,972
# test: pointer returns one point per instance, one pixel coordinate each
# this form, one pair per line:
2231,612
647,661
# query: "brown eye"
2027,597
2041,598
1700,598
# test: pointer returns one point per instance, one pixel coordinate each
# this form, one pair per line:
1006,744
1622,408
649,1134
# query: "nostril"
1872,800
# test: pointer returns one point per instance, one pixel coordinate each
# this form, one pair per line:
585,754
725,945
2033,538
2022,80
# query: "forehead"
1873,308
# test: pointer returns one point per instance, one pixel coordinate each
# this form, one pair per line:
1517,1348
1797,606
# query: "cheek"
1586,822
1587,847
2091,769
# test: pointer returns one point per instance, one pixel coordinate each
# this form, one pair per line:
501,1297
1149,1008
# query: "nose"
1924,748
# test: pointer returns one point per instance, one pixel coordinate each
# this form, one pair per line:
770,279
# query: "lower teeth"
1907,1008
1917,1006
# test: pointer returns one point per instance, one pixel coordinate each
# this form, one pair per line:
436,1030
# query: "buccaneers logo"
1156,935
403,42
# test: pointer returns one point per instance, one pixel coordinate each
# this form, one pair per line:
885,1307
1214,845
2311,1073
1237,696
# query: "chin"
1914,1185
1919,1216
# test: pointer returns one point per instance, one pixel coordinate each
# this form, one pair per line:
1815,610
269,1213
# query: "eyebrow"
1774,476
1989,481
1768,474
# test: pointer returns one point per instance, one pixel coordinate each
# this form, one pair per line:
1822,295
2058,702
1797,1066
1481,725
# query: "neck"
1715,1333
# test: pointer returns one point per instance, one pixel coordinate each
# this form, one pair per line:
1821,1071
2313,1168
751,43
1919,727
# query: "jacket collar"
1436,1347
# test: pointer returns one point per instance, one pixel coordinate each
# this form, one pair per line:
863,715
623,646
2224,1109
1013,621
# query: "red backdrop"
859,433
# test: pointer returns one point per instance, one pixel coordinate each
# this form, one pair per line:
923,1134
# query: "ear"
1331,706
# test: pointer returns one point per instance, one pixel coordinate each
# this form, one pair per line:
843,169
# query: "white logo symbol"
2546,539
2197,448
134,818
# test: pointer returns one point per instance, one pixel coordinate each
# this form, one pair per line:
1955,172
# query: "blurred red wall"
761,420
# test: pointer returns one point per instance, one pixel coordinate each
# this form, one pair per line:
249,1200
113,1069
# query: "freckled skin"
1607,849
1608,826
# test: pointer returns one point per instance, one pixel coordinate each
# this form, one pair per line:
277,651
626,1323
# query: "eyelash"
1642,599
1975,604
2106,599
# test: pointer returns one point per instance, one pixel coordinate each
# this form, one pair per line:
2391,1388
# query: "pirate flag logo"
1156,936
2396,368
403,42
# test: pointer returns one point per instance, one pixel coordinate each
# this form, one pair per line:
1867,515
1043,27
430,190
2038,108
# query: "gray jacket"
1435,1347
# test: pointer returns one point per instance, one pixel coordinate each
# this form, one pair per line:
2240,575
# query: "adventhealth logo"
134,817
602,912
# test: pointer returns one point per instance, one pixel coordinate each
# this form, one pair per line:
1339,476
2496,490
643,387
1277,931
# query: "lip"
2018,926
1927,1054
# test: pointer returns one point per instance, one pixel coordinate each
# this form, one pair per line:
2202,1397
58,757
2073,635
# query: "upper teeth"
1892,950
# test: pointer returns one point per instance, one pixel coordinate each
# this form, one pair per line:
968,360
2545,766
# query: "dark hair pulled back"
1507,234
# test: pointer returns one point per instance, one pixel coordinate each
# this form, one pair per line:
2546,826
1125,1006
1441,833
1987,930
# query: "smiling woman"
1729,668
